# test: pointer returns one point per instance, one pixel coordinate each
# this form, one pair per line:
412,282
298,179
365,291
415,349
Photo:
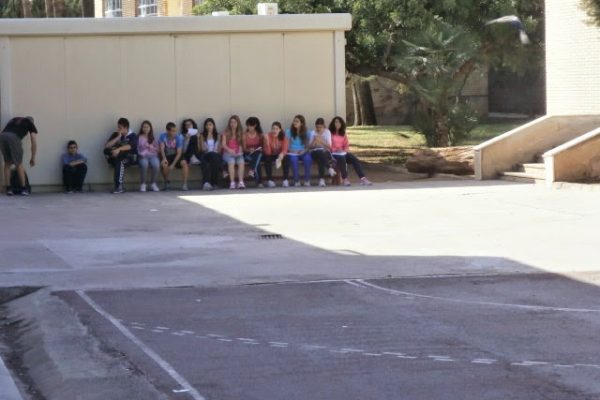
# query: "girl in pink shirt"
233,152
276,148
340,147
148,156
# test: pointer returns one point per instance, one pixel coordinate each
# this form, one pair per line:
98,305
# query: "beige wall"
88,78
572,59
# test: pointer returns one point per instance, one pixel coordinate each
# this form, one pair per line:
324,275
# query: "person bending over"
11,147
171,151
74,168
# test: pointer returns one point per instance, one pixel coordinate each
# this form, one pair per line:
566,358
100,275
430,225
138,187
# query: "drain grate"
271,236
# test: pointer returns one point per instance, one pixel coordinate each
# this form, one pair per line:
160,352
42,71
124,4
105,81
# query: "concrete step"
534,169
521,177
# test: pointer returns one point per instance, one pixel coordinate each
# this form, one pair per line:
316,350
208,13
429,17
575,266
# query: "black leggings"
211,167
341,162
73,176
324,160
268,161
355,162
120,162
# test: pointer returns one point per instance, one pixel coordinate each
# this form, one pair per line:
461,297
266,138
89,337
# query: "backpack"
15,184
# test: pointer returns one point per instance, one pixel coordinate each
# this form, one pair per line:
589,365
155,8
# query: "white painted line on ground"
588,365
224,340
147,350
162,328
247,340
313,347
409,357
529,363
372,354
138,327
564,366
157,331
180,390
388,353
474,302
350,282
484,361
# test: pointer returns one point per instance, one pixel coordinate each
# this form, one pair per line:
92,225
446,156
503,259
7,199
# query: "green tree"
389,36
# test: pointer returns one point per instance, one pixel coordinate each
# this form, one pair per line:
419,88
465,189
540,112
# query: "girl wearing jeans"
297,136
233,151
253,148
276,148
148,156
340,147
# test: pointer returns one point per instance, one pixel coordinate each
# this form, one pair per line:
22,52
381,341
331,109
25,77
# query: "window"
113,9
148,8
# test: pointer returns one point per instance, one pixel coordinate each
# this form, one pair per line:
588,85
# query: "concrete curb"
8,388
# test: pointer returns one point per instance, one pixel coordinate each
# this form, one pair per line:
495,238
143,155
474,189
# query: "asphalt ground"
494,337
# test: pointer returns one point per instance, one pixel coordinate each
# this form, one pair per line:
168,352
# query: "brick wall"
129,8
573,59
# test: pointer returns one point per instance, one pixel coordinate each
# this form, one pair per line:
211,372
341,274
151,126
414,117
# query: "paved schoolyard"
416,290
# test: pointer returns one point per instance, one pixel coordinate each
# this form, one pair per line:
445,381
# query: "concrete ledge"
524,143
181,25
8,389
576,160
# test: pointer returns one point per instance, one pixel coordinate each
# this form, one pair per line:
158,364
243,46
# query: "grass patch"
394,144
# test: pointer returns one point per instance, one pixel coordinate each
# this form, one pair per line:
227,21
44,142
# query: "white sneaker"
185,187
143,187
154,187
241,185
332,172
322,183
285,183
347,182
232,185
271,184
365,182
297,184
207,186
307,183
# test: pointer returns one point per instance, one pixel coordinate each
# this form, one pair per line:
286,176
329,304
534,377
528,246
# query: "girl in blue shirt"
297,135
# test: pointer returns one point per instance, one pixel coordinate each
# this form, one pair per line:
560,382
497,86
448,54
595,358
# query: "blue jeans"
144,162
293,160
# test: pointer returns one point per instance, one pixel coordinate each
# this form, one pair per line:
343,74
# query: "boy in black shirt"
121,151
12,149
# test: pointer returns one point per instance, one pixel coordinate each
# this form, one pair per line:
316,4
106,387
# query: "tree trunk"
87,8
49,6
59,8
26,8
365,98
356,102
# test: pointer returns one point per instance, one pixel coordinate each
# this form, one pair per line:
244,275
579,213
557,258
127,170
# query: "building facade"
143,8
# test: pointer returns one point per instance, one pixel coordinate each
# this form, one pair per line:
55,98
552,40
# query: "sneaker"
119,189
347,182
167,186
260,185
365,182
232,185
297,184
307,183
69,191
332,172
9,191
185,187
207,186
285,183
271,184
322,183
251,173
241,185
143,187
154,187
24,192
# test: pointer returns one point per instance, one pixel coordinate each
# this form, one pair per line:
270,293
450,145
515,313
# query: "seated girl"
340,150
275,149
297,136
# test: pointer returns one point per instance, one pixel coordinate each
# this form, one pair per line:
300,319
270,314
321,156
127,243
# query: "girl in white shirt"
320,150
212,161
